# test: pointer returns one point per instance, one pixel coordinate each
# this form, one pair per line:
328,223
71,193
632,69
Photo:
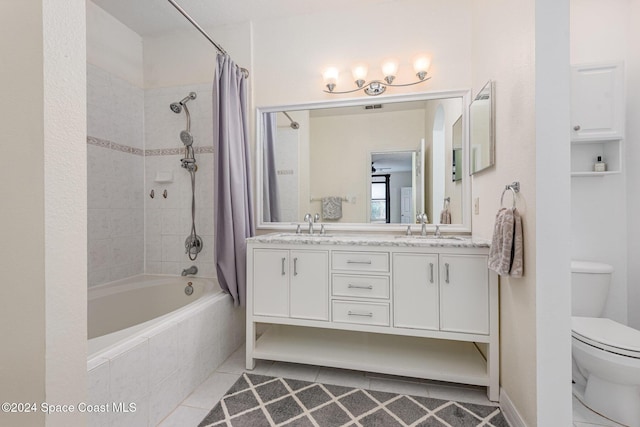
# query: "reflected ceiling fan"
374,169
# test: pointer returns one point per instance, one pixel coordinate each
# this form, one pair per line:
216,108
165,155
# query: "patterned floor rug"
261,401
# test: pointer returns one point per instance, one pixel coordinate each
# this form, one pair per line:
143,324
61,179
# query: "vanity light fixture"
376,87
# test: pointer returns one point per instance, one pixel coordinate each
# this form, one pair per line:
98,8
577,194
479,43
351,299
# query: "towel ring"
515,189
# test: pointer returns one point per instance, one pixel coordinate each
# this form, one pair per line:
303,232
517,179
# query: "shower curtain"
271,202
233,210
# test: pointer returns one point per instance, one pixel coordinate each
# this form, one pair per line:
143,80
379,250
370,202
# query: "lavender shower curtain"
233,210
271,202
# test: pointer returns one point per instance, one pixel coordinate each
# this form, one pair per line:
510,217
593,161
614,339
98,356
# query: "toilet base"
618,402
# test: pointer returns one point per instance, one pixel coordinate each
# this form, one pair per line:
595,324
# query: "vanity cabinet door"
415,291
309,287
464,294
271,282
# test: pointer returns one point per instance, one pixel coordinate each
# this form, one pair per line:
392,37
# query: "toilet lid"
607,335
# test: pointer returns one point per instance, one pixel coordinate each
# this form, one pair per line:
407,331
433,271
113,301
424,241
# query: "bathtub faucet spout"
191,270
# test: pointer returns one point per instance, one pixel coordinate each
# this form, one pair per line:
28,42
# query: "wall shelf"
585,152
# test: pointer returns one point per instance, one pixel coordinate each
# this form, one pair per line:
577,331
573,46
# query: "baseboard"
509,411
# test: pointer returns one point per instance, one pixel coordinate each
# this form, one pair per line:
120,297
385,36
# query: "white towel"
332,207
506,253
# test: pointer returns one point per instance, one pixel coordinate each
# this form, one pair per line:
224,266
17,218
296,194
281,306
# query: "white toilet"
606,354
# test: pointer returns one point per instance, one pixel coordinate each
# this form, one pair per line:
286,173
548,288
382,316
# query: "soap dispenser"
600,166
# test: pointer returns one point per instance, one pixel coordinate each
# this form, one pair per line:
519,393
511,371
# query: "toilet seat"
607,335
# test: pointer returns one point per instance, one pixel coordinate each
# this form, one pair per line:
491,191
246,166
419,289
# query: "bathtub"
150,344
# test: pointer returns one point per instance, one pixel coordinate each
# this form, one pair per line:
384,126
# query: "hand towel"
506,252
445,216
332,208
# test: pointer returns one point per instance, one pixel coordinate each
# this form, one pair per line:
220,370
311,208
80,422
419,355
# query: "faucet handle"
316,217
307,217
298,230
408,230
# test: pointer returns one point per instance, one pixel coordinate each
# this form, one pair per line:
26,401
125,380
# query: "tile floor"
197,405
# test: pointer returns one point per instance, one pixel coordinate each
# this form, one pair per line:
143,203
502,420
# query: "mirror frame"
464,95
492,127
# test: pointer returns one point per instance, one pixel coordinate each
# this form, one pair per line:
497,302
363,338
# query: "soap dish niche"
163,177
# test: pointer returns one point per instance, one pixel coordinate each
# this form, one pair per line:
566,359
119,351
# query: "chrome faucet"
191,270
423,220
308,218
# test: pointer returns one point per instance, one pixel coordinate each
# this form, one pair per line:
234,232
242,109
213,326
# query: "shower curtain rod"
203,32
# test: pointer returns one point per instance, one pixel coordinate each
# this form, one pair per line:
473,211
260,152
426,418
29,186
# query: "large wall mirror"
365,164
482,130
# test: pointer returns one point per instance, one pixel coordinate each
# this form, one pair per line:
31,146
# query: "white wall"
633,160
43,218
600,33
512,45
290,54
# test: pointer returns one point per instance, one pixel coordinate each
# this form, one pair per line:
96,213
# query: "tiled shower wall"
115,174
133,141
168,220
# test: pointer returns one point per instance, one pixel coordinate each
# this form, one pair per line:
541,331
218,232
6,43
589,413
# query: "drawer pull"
350,261
353,313
295,266
352,286
430,272
283,261
446,272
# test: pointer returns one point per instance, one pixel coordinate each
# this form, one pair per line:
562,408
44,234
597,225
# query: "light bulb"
330,77
389,70
359,72
421,66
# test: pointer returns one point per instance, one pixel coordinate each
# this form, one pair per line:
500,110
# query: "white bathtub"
151,344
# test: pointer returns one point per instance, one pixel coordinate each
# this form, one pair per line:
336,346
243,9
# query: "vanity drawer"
359,286
360,261
365,313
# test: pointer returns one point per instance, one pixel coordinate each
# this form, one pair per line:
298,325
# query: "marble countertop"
372,240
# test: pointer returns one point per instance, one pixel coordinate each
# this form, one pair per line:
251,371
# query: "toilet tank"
589,287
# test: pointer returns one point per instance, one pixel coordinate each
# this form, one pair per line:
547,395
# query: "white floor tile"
343,377
399,386
585,416
211,390
184,416
294,371
235,364
461,394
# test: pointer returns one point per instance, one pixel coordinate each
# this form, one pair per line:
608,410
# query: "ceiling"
153,17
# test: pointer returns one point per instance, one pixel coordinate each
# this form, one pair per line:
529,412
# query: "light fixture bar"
376,87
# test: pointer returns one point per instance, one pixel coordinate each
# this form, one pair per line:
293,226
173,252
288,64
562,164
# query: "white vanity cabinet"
441,292
293,283
400,306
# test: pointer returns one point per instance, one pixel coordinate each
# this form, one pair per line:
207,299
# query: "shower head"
176,107
186,138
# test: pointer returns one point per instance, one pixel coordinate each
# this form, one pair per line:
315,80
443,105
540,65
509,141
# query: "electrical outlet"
476,206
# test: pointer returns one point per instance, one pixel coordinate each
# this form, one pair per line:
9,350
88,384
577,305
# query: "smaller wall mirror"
482,130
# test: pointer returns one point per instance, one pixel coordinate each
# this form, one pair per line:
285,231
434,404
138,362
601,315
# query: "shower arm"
186,110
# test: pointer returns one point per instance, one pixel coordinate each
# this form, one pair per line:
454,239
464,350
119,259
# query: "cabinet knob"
576,127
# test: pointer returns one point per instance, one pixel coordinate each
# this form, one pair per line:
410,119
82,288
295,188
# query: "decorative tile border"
114,146
140,152
174,151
